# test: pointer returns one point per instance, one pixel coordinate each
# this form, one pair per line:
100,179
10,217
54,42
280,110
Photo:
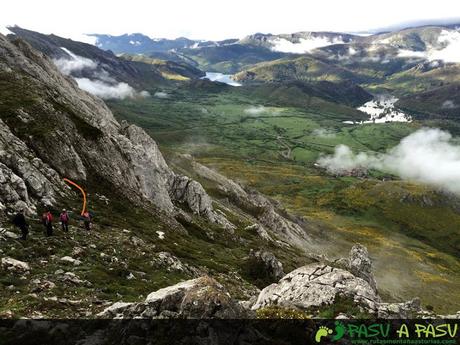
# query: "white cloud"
449,40
304,45
382,109
101,83
85,39
451,52
427,156
160,94
405,53
324,133
255,110
75,63
104,90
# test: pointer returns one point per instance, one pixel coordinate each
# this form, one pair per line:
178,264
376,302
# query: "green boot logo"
323,331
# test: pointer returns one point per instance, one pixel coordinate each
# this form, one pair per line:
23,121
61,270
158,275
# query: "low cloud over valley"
428,156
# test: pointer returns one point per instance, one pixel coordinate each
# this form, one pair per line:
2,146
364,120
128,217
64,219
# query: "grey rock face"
360,264
316,285
226,185
271,266
286,230
197,298
191,193
24,178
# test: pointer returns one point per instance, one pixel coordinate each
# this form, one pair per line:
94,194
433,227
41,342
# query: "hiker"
20,221
47,219
87,220
64,218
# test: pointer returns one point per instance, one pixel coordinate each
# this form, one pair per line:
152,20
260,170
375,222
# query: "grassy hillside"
439,103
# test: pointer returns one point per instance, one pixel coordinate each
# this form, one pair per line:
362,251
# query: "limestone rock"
187,191
266,261
172,263
405,310
260,230
42,285
197,298
5,234
14,265
316,285
72,278
70,260
360,264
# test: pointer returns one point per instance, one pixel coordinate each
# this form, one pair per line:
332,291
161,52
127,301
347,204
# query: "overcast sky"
217,19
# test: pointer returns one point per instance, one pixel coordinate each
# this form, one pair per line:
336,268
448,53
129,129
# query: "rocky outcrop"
197,298
360,264
260,230
265,261
191,193
54,130
285,229
314,286
24,178
404,310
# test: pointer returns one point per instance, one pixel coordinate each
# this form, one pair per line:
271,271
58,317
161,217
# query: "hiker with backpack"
20,221
87,218
64,219
47,220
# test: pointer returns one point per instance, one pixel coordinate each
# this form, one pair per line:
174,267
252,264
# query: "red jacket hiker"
47,219
64,218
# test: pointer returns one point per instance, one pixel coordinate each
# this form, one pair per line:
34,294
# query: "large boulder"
199,298
14,265
314,286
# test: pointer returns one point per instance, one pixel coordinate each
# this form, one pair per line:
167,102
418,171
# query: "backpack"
64,217
45,219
